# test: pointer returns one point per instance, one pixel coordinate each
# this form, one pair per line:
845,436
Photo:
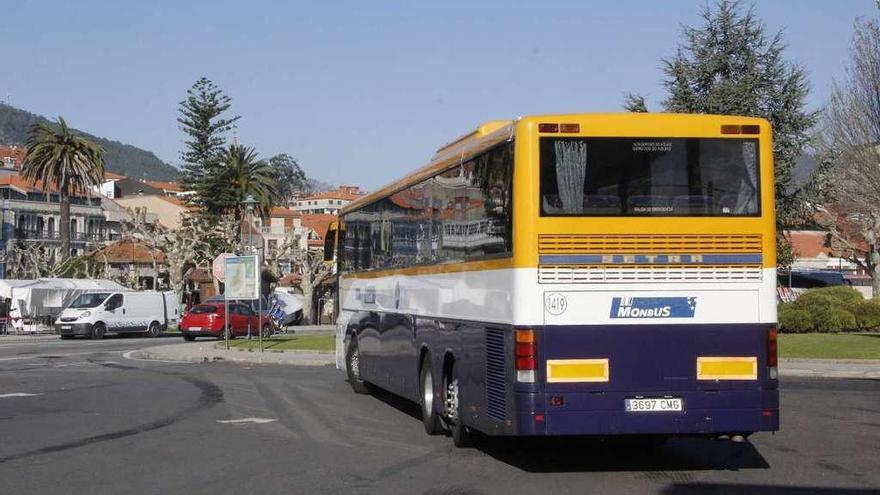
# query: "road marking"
245,421
18,394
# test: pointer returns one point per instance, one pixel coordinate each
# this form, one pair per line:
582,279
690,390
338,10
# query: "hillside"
118,157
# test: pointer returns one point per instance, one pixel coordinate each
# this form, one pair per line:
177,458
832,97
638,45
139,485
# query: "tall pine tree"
731,66
201,118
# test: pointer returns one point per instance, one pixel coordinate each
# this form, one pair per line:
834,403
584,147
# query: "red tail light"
771,348
526,356
546,127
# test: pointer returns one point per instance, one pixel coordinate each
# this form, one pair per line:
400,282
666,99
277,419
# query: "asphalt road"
100,423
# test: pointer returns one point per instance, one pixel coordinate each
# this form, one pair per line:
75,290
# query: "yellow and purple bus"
584,274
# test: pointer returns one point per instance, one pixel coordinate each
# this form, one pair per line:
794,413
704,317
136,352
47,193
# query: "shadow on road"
586,454
712,488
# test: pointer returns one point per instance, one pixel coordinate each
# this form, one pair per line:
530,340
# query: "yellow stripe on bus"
727,368
577,370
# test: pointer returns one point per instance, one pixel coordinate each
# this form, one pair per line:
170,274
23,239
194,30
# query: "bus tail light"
740,129
526,356
772,354
545,127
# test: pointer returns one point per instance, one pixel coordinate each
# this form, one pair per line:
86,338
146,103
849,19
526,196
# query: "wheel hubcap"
428,392
354,363
452,401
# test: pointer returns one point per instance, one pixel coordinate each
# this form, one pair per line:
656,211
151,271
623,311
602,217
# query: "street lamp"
249,203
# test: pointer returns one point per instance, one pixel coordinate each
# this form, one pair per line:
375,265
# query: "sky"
364,92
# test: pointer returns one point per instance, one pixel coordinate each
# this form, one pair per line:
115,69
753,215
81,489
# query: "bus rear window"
700,177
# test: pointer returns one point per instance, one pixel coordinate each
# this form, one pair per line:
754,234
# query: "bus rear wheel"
461,435
353,369
429,414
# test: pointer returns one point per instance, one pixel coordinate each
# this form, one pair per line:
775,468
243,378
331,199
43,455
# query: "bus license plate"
654,404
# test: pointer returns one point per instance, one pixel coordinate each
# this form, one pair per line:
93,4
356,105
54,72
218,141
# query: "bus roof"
493,132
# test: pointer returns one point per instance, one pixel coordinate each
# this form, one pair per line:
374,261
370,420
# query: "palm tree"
245,175
59,157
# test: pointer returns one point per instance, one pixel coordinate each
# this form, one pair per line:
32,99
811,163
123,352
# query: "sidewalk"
830,368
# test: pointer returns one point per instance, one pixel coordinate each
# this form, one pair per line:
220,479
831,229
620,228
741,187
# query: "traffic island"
286,350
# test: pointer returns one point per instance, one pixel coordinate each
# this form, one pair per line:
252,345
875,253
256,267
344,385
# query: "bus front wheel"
353,369
429,414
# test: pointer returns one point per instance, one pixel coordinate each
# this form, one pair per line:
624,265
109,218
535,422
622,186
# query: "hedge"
829,309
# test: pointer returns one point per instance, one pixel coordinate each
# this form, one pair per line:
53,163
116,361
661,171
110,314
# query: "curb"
830,368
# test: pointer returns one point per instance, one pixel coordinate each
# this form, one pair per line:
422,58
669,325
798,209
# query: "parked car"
96,314
207,320
251,303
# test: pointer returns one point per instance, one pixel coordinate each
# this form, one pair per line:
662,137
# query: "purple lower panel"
712,412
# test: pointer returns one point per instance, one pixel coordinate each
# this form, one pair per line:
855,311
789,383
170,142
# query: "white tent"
48,296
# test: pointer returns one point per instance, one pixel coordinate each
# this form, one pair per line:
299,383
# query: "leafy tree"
201,119
289,176
731,66
852,138
634,103
244,175
58,157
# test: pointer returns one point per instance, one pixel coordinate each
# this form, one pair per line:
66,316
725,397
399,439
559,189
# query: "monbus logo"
653,307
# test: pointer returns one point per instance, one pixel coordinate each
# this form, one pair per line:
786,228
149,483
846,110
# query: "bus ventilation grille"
648,244
585,274
496,391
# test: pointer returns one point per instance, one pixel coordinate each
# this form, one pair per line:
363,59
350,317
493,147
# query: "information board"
242,277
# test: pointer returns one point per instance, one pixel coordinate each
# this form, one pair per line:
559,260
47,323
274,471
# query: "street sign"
218,266
242,277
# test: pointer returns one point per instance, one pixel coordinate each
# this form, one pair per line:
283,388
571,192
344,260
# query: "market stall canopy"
48,296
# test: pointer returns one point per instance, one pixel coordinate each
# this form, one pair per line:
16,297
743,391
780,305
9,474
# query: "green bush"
827,310
793,319
837,296
868,315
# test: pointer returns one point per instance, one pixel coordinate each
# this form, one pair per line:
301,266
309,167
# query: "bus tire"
461,434
352,369
430,418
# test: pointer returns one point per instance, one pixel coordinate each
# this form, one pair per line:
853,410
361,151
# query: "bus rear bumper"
705,413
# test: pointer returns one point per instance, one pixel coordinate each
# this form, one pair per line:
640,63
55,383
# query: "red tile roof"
15,179
319,222
167,186
280,211
128,251
113,176
345,194
809,243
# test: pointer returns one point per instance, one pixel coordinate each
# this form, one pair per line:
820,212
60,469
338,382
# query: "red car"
206,320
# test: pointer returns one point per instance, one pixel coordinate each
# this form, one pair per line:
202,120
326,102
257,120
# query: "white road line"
18,394
245,421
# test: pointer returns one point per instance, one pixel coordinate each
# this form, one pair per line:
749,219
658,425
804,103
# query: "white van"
95,314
